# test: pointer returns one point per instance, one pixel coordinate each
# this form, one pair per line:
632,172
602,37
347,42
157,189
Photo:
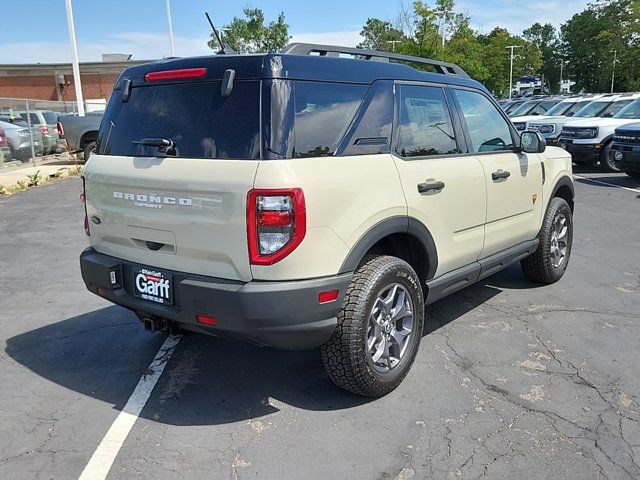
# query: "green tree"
251,35
591,36
545,37
380,35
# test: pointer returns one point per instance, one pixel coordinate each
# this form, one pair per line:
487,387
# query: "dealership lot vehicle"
625,149
538,106
589,140
80,133
46,122
18,138
516,378
604,106
198,225
510,105
561,110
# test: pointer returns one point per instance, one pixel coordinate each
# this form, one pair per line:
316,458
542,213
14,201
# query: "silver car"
17,132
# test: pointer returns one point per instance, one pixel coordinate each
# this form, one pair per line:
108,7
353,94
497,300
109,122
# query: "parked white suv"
301,200
589,140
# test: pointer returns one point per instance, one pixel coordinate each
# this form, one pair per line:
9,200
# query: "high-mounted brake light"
276,224
175,74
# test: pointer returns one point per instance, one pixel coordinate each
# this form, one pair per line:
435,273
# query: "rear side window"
488,130
424,125
323,113
194,115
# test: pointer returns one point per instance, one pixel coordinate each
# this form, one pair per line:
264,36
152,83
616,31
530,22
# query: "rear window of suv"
194,115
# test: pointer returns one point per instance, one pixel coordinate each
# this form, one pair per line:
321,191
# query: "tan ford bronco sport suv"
303,199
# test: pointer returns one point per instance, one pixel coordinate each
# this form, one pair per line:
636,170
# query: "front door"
513,180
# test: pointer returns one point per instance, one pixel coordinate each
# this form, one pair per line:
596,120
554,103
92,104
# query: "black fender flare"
386,227
564,181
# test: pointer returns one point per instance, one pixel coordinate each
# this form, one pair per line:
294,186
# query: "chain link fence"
29,132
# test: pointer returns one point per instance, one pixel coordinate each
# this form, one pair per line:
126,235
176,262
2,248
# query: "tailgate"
180,214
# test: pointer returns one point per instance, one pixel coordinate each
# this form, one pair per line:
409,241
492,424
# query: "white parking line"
634,190
102,459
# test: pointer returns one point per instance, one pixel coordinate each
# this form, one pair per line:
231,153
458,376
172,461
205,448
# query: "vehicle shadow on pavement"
208,381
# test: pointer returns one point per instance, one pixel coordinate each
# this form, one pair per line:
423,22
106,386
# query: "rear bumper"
584,152
283,315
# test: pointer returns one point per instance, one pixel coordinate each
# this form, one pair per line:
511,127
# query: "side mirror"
532,142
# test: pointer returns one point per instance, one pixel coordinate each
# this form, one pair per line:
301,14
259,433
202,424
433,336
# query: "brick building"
47,81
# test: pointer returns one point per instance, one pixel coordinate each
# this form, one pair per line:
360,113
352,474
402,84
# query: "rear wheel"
88,149
606,162
549,262
379,328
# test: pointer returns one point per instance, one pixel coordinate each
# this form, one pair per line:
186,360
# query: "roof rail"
373,55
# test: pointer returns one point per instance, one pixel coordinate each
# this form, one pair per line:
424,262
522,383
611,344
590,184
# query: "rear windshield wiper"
165,145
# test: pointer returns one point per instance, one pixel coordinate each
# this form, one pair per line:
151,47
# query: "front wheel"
549,262
606,162
379,328
88,150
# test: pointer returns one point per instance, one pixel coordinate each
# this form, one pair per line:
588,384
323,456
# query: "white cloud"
345,39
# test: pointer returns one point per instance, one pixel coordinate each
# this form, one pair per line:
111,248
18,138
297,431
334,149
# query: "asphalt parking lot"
512,380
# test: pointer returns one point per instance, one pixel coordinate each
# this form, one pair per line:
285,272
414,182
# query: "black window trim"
515,138
457,128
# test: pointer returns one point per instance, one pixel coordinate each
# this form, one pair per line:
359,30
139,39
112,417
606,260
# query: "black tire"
539,266
88,149
634,175
345,356
606,162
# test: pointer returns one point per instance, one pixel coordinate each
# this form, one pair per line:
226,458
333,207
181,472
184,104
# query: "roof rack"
373,55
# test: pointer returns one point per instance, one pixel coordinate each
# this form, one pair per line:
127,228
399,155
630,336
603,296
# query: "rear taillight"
60,129
44,130
276,224
83,199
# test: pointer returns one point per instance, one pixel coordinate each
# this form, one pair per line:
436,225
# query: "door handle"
424,188
500,174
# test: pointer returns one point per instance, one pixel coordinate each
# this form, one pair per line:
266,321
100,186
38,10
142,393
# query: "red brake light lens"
44,130
175,74
276,224
60,129
328,296
206,319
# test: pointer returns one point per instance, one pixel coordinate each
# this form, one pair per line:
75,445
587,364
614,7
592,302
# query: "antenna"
215,32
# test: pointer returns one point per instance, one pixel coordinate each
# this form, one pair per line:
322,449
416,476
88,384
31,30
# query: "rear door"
513,180
444,188
181,208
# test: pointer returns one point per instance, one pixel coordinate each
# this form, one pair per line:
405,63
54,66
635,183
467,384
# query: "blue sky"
37,30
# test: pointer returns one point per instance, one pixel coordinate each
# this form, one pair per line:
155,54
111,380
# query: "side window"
424,123
323,113
372,134
488,129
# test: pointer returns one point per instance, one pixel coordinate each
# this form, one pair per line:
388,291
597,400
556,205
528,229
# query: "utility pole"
74,59
613,70
172,49
512,48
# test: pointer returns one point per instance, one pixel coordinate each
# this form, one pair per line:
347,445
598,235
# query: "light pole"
512,47
613,70
562,64
393,44
77,84
172,49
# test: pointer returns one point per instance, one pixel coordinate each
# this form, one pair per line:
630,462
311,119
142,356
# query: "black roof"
298,67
